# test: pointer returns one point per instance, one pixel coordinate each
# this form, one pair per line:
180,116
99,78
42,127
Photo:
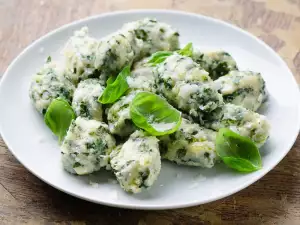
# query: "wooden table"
275,199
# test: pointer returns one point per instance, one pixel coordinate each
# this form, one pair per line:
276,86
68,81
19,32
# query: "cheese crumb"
94,184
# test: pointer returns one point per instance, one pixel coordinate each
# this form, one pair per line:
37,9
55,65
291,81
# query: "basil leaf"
116,89
154,114
238,152
159,57
58,117
187,50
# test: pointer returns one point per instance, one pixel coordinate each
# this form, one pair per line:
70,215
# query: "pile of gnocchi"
127,101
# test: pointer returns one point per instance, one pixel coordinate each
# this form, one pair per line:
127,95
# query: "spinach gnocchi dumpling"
244,88
137,162
115,52
47,84
142,77
85,101
134,41
241,121
190,145
118,116
155,36
187,86
216,63
87,146
79,54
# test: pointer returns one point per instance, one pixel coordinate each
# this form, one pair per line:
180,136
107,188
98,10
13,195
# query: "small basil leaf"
159,57
116,89
154,114
238,152
187,50
58,117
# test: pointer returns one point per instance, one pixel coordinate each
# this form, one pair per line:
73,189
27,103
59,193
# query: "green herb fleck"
76,164
141,34
48,60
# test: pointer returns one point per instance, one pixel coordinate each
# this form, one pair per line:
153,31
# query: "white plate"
36,148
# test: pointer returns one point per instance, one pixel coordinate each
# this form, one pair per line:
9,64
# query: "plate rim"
143,206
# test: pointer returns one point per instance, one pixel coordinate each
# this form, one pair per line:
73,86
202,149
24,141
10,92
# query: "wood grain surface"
275,199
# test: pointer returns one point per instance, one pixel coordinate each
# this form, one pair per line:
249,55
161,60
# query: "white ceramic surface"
27,137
